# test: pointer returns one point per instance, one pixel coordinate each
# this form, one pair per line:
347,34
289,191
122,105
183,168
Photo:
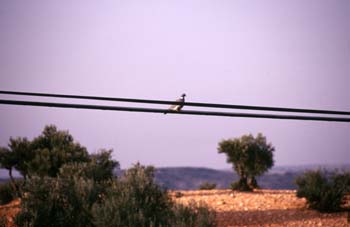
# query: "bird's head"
183,95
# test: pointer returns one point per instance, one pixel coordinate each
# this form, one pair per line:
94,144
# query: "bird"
178,107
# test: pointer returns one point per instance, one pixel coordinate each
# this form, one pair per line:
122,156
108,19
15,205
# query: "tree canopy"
53,149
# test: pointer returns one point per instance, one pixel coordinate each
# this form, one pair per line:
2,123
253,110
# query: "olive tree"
251,157
44,155
16,157
52,149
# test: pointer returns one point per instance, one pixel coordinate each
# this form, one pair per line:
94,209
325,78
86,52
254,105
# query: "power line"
189,112
210,105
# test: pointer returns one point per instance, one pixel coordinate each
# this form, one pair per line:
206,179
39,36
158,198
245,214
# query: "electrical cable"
152,110
196,104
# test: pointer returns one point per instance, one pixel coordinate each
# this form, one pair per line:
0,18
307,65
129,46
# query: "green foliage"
100,167
342,181
193,215
15,157
7,160
135,200
21,153
6,193
67,200
65,186
57,202
207,186
44,155
323,191
250,157
179,194
52,149
75,199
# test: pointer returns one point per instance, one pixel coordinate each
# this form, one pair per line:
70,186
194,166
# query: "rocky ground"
259,208
262,208
8,212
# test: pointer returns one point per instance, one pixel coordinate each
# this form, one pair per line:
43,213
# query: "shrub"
57,202
73,199
342,181
135,200
193,215
207,186
6,193
179,194
323,191
66,200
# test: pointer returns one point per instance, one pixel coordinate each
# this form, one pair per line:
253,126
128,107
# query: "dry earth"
262,208
259,208
8,212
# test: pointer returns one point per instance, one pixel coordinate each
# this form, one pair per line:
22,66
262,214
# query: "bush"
323,191
193,215
57,202
207,186
135,200
72,199
342,181
67,200
6,193
179,194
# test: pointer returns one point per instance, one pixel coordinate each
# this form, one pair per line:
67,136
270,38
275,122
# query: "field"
262,208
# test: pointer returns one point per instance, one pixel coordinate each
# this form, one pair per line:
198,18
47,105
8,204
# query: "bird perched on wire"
178,107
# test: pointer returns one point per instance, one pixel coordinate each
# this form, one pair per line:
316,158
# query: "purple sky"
274,53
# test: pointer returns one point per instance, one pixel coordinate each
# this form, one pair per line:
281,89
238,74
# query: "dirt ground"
259,208
8,212
262,208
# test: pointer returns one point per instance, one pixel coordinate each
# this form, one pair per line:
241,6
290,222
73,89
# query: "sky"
292,53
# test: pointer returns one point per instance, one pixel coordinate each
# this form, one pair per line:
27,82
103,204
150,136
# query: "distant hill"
188,178
185,178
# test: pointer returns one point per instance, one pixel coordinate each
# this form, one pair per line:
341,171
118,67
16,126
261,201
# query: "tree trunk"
243,184
253,183
13,183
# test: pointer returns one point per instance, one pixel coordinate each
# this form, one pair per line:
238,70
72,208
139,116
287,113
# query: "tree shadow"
199,193
229,192
189,193
273,191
